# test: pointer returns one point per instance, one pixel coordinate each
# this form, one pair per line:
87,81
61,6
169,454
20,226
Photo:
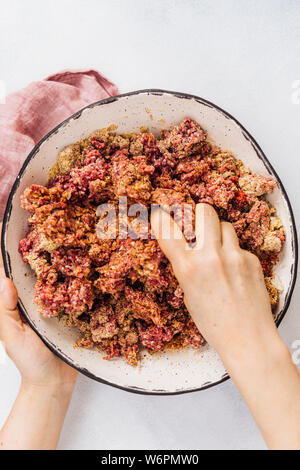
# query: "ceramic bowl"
168,372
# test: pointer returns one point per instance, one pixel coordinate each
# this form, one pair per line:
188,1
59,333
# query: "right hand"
223,285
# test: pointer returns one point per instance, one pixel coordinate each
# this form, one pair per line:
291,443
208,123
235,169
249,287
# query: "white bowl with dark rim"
169,372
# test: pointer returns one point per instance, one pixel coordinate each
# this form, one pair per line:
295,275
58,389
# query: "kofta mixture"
121,293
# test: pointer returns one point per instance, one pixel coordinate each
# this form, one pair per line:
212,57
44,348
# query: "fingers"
229,237
169,237
208,229
9,295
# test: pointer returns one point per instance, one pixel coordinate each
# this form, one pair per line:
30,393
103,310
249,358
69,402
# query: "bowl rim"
260,154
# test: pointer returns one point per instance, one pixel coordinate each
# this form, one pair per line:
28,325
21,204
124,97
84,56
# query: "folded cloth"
30,113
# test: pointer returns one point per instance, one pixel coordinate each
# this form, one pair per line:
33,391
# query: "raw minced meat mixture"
121,293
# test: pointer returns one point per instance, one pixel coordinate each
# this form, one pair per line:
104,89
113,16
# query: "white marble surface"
244,55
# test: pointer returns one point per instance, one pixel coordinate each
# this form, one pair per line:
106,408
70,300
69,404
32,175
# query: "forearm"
37,417
268,380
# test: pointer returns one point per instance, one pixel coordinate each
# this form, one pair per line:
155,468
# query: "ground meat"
155,337
73,262
126,179
184,139
256,185
273,292
69,158
121,293
103,324
272,242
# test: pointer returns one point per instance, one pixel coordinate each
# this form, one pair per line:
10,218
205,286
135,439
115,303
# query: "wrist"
52,387
257,353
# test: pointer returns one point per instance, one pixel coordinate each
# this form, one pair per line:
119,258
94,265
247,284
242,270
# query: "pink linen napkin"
30,113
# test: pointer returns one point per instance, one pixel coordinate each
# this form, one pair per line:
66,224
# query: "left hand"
36,363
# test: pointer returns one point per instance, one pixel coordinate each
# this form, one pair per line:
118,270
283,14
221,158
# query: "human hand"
225,293
47,382
223,285
37,364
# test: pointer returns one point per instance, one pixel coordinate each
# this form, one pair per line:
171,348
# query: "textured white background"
244,55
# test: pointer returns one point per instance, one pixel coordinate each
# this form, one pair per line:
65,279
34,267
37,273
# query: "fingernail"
2,282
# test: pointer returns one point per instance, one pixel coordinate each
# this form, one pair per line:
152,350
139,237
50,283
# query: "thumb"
9,315
169,237
8,294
